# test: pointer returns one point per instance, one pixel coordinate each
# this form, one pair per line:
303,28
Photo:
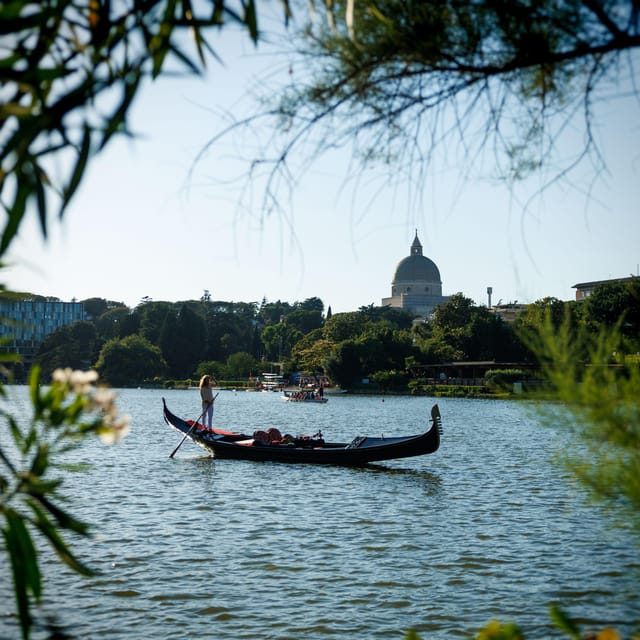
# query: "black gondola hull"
360,452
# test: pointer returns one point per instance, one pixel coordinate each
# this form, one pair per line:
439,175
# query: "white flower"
80,381
105,399
114,429
62,375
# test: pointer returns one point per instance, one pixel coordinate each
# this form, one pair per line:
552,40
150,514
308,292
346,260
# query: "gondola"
271,445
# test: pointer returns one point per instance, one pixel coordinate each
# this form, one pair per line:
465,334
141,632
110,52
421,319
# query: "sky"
143,226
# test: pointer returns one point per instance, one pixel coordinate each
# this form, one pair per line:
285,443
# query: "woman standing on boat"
206,394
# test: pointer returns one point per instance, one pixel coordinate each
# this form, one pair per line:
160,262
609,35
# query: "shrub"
503,379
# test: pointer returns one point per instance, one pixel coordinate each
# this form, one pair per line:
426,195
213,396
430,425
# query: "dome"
416,285
417,268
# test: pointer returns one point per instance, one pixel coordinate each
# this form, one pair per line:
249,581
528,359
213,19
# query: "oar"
195,422
186,435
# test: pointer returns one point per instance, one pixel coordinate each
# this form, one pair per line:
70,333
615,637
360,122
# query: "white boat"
272,382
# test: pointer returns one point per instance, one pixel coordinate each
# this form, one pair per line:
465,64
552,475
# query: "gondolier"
206,394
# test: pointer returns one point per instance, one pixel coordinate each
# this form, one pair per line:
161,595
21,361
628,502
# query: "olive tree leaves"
69,72
64,412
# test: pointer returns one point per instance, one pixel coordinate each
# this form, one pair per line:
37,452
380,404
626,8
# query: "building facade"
510,311
416,286
24,324
584,289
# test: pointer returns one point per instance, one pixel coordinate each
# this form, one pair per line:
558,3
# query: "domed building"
416,284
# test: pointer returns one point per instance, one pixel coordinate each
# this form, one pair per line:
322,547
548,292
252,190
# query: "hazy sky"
135,230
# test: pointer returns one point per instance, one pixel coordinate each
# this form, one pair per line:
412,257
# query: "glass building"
24,324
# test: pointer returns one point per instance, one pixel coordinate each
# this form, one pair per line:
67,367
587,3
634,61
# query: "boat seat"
356,442
274,435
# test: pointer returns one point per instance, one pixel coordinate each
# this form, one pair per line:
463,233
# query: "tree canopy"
130,360
495,81
70,72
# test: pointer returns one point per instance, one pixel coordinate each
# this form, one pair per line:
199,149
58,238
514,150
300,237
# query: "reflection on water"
192,547
426,480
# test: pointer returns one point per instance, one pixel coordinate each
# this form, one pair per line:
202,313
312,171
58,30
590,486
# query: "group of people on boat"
306,395
273,437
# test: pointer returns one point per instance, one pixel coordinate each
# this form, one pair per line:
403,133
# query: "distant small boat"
271,445
272,382
304,396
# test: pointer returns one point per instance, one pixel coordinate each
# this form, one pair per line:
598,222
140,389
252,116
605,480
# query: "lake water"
191,547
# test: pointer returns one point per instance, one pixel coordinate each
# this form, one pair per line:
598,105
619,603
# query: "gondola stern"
436,418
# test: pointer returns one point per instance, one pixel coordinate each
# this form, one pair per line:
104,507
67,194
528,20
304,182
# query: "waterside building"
585,289
24,324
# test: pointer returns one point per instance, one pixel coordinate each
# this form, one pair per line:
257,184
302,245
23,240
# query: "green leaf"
187,13
564,622
38,487
40,462
161,41
63,519
9,357
75,467
185,59
30,439
38,180
118,118
24,566
34,377
218,12
287,11
51,533
16,211
78,170
11,22
16,434
251,19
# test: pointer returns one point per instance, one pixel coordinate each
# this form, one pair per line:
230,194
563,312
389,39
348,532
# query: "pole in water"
195,422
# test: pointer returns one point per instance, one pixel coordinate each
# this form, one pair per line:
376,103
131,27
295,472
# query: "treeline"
159,341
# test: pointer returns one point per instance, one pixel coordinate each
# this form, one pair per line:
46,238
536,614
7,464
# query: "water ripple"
192,547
